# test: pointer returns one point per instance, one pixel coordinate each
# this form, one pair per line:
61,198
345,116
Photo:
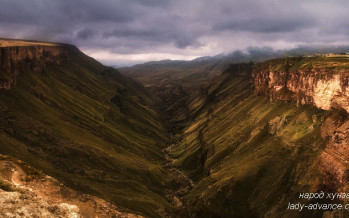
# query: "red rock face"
334,160
19,60
325,90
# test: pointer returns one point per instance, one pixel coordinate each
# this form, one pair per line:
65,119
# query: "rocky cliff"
334,160
323,82
16,60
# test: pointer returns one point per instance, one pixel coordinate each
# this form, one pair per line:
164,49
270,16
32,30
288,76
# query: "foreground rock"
25,192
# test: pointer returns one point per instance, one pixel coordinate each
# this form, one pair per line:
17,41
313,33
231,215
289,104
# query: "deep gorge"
268,130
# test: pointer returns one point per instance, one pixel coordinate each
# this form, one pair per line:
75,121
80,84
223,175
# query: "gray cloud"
264,25
85,34
178,27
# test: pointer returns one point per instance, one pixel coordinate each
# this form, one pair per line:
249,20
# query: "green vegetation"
93,129
102,133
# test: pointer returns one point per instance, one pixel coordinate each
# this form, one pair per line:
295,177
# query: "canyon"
220,139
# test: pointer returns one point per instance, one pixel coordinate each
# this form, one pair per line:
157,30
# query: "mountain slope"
84,124
181,78
251,156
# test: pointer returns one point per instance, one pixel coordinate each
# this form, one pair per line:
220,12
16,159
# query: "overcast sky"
119,32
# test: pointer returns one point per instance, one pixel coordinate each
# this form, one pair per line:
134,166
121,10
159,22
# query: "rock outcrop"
334,160
276,124
17,60
323,89
25,192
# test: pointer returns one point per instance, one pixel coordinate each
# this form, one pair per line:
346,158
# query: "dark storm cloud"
85,34
264,25
153,34
195,27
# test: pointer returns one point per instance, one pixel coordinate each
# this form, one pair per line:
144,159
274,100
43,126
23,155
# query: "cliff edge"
18,57
320,81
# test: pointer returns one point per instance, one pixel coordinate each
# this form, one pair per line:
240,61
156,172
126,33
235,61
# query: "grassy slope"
316,63
16,42
90,127
242,170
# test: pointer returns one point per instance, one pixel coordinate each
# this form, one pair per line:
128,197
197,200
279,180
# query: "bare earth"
43,196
